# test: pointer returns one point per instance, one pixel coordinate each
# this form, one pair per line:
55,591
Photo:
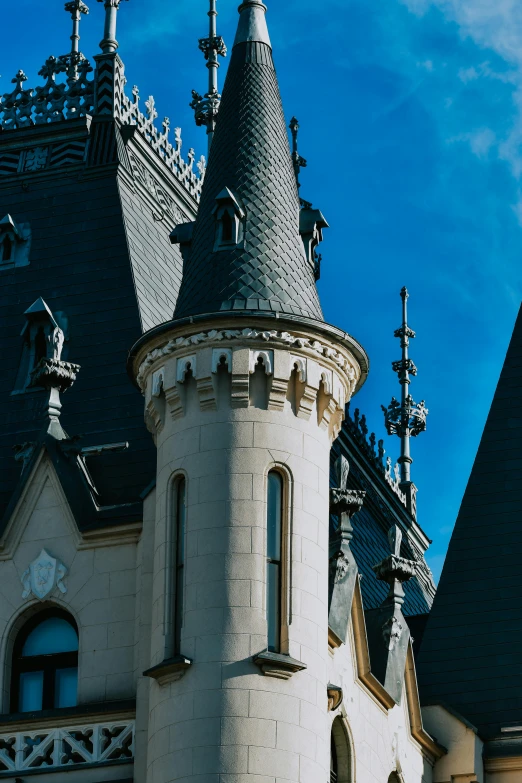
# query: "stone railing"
52,749
374,450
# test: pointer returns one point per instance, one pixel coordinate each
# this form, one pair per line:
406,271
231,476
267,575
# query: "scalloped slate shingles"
250,155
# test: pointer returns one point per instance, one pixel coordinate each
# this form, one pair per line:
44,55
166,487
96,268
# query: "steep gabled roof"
471,653
267,272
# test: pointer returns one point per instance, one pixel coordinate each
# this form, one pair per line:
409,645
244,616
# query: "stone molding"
277,665
269,335
326,376
169,670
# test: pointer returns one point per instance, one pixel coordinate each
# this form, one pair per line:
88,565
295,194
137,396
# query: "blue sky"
411,121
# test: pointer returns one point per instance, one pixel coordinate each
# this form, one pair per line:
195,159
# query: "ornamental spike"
109,44
76,8
406,418
298,161
206,107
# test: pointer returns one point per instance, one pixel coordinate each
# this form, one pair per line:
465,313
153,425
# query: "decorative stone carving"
284,338
24,453
54,374
344,503
44,574
388,633
158,380
221,357
392,632
299,364
263,358
335,696
186,364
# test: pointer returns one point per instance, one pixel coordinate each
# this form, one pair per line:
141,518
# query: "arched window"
334,769
341,758
274,559
45,663
180,513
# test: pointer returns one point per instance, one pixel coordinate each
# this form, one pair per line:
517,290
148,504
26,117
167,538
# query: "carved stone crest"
43,575
392,632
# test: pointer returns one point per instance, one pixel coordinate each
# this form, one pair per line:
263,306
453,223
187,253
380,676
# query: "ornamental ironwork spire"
298,161
109,43
206,107
406,418
76,8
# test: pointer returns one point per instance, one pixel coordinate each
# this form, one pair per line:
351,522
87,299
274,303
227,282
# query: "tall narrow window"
227,228
334,771
273,559
180,559
7,249
45,663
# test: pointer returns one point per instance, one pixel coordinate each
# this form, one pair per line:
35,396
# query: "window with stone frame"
45,663
180,492
341,753
277,559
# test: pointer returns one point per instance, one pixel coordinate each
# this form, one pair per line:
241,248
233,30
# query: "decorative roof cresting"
70,92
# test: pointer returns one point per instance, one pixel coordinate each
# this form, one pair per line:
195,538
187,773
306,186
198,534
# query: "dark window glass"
227,229
7,249
180,559
334,773
40,346
273,559
45,663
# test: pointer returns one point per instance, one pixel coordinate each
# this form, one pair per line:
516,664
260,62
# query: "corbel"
280,378
240,378
205,381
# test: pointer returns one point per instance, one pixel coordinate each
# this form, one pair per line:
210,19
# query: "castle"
209,572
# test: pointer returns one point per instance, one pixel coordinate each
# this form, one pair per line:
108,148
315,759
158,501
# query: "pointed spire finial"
76,8
206,107
252,23
109,44
406,419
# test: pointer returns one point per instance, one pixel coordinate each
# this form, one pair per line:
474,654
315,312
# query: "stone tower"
245,390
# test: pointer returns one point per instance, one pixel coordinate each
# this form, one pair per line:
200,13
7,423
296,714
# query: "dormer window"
43,338
230,216
14,243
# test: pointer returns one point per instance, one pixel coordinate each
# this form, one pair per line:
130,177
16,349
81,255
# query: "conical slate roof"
268,271
471,651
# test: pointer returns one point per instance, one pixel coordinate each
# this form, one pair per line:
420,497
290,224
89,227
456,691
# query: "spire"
206,108
405,418
246,251
76,8
109,43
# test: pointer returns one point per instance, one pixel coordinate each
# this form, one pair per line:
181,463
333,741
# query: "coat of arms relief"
44,574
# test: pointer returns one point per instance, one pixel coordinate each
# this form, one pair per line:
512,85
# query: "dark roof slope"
471,653
250,156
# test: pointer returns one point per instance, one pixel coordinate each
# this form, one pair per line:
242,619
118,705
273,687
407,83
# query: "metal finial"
406,419
206,107
109,44
76,8
298,161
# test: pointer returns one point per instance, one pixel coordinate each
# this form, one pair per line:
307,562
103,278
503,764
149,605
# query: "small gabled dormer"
43,338
311,224
229,216
14,243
